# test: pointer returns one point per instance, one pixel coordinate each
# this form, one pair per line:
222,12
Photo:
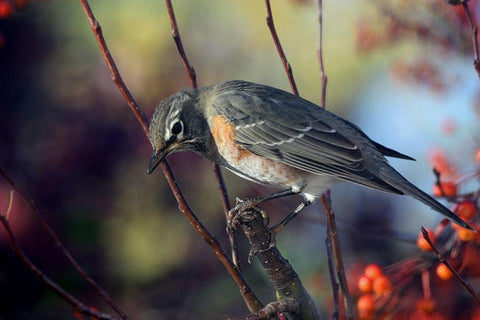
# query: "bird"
272,137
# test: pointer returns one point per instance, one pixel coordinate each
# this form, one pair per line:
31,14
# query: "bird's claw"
241,206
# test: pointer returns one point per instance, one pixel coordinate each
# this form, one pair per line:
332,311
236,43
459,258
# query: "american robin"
273,137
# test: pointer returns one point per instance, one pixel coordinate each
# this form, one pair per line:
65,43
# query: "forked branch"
442,259
74,302
215,167
251,300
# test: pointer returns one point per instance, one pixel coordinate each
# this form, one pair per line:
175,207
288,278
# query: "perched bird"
273,137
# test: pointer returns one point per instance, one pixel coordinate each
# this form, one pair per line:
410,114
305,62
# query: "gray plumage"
288,129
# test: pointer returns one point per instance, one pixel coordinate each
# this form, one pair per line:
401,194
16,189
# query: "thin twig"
78,306
326,199
215,167
427,292
476,61
278,45
320,53
231,232
251,300
337,253
178,41
328,239
9,206
442,259
56,240
117,79
333,276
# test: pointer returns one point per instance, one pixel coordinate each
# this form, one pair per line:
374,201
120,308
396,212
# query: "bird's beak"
155,161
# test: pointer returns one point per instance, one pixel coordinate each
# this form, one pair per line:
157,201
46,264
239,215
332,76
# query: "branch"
290,291
271,310
232,236
337,253
252,301
56,240
320,53
116,77
476,62
333,242
278,45
178,41
326,201
442,259
333,277
79,306
216,168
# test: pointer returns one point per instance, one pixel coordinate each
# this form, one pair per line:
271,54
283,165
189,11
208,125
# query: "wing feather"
277,125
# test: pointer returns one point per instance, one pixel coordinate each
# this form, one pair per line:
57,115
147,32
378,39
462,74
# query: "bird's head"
178,124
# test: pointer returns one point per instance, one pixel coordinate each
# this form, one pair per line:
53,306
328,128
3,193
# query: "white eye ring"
177,127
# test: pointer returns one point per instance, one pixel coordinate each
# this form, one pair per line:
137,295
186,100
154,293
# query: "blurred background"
401,70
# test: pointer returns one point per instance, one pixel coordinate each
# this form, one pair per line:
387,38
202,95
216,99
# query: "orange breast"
258,168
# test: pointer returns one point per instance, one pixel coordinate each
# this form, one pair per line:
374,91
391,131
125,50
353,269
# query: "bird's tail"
397,181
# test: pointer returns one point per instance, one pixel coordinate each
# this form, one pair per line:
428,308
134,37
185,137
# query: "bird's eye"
177,127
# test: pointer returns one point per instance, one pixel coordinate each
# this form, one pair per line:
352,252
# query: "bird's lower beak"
155,161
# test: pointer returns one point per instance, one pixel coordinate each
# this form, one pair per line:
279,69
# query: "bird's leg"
242,205
279,226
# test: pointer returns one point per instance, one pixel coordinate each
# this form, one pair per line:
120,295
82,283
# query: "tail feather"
397,181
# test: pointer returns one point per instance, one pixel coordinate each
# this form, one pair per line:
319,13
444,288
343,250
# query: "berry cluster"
374,286
423,287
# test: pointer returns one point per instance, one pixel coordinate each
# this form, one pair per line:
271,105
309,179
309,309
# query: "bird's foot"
242,205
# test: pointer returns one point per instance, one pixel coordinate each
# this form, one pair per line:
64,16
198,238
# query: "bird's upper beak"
155,160
160,155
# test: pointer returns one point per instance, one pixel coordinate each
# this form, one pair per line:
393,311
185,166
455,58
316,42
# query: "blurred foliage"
68,139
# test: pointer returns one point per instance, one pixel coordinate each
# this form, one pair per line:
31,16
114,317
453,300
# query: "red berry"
381,286
6,9
466,235
448,189
373,271
365,304
443,272
426,305
466,210
423,244
364,284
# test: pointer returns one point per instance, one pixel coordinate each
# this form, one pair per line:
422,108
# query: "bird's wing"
275,124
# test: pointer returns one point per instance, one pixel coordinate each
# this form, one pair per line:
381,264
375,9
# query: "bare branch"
320,53
252,301
442,259
326,200
333,276
278,45
56,240
476,61
78,306
116,77
178,41
9,205
215,167
337,253
231,233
